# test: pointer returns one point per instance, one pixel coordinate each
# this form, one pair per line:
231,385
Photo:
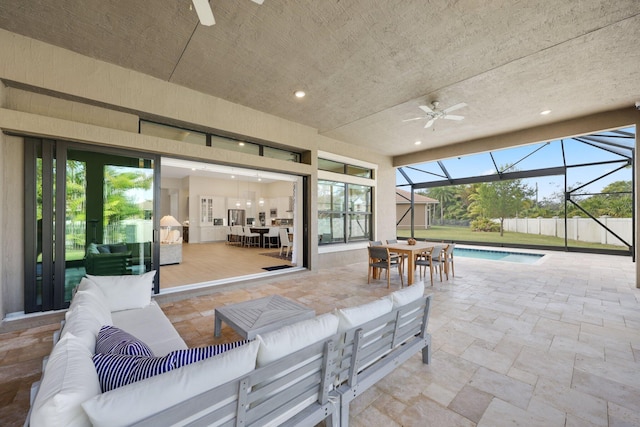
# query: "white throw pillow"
356,316
87,285
291,338
407,295
128,404
86,315
70,379
126,292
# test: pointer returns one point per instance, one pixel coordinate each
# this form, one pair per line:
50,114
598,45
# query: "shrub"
484,224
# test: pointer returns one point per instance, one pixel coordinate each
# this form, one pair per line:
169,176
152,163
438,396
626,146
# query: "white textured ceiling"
367,65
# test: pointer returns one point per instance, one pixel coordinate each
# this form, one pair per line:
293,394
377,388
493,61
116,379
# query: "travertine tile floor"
552,344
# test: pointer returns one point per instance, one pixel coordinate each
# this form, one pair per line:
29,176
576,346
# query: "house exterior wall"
56,93
420,216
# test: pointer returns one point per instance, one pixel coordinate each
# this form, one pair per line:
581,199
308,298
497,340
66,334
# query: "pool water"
517,257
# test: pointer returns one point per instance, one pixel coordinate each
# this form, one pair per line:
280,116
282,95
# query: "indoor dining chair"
271,237
285,242
251,238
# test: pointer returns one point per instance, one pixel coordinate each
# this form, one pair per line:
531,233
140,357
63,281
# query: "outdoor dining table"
411,251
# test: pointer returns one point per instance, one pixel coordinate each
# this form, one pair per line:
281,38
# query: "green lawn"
465,234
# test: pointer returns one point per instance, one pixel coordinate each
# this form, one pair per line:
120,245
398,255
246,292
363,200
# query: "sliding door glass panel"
86,212
75,223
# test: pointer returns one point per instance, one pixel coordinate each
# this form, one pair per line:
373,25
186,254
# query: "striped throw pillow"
117,370
191,355
116,341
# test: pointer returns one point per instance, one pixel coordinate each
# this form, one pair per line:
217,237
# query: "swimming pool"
517,257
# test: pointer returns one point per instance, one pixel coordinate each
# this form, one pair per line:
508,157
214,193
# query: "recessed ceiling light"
418,142
241,144
233,176
545,112
299,94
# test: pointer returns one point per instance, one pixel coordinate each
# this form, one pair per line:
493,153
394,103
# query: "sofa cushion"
407,295
288,339
151,326
92,249
128,404
356,316
70,380
116,341
104,249
118,248
126,292
116,370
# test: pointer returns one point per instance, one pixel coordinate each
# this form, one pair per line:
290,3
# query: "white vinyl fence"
580,229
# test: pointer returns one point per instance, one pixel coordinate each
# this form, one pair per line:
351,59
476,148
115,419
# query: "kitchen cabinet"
212,208
213,234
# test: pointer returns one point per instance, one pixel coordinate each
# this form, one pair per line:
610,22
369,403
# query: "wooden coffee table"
257,316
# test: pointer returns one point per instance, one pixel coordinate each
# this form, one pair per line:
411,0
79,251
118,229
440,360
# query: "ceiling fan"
203,9
433,113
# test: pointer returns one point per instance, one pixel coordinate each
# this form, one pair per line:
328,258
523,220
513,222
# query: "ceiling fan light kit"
205,14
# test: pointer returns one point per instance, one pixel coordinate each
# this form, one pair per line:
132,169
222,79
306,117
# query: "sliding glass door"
90,209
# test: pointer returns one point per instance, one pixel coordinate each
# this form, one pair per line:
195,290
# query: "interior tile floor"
551,344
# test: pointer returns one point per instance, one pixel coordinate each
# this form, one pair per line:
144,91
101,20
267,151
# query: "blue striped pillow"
191,355
116,341
117,370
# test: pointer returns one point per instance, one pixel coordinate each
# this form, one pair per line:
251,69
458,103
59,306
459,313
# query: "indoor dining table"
262,231
411,251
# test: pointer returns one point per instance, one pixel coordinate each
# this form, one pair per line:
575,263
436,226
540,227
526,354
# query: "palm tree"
444,195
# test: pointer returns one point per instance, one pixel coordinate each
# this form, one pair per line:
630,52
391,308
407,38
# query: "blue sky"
536,156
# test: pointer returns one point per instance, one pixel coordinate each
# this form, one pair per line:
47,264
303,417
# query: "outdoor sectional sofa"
299,374
117,259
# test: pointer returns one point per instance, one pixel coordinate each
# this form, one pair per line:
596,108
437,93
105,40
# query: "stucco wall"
59,94
12,223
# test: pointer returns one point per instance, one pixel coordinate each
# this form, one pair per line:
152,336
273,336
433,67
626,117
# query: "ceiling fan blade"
203,9
415,118
454,107
452,117
258,1
429,123
425,108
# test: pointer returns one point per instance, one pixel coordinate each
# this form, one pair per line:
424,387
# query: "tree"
614,200
500,199
444,195
119,181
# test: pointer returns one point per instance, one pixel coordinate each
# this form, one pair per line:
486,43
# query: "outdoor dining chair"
448,260
379,258
432,258
393,254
